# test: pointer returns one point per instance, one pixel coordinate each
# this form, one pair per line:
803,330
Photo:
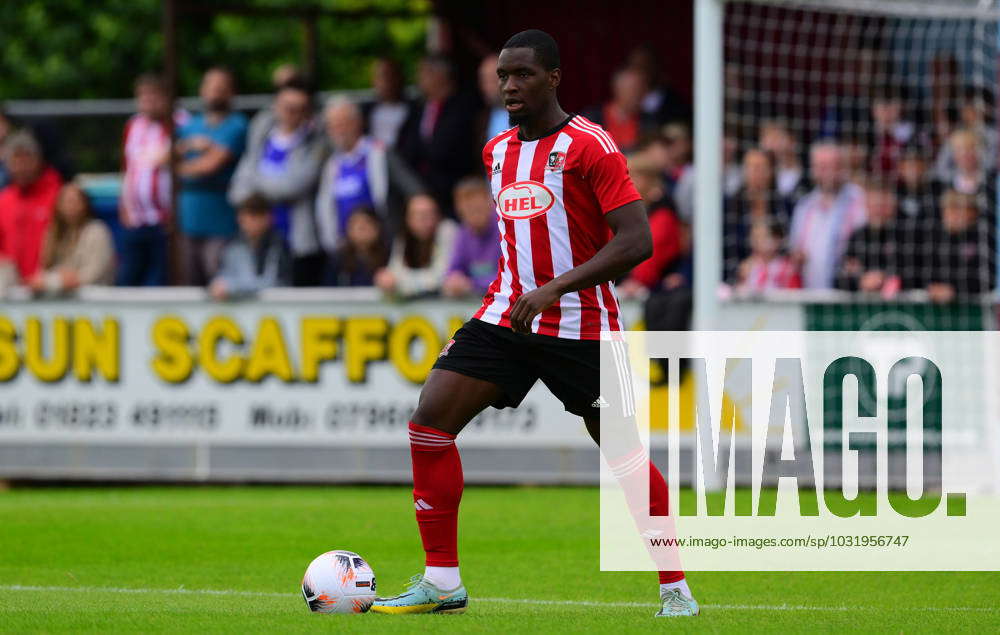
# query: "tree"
65,49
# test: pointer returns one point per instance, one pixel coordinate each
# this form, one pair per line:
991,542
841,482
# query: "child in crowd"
364,251
145,205
757,199
961,262
669,235
421,254
77,249
767,267
477,247
872,262
257,258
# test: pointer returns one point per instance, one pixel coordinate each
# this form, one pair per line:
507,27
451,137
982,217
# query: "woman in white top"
422,252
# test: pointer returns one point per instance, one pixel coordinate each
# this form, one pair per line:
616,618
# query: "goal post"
708,125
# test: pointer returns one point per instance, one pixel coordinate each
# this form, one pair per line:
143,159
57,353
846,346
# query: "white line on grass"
716,607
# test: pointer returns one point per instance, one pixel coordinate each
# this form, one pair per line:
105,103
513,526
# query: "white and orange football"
339,582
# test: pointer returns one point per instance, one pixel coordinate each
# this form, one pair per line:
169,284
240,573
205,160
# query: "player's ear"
555,76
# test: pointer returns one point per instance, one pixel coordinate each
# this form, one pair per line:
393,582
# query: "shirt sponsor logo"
524,199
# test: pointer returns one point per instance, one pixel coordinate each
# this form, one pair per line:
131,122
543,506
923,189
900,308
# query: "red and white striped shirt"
551,195
777,273
145,195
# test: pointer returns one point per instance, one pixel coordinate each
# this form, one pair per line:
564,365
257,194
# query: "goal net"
860,149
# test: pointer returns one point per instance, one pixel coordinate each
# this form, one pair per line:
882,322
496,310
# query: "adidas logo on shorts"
600,403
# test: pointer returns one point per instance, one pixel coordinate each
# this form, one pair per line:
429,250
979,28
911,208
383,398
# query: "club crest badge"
556,161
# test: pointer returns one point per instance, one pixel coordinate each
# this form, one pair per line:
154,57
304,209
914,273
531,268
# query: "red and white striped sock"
437,491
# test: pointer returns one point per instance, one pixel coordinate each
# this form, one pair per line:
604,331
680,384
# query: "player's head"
529,74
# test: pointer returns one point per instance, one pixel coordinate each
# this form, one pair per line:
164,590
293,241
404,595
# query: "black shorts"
515,361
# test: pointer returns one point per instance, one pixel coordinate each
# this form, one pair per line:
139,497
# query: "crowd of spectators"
882,215
390,193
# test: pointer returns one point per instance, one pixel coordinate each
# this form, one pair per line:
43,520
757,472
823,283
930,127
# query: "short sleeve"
609,179
233,135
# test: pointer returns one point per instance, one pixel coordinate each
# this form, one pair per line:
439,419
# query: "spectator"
890,132
872,259
914,191
361,172
969,175
282,163
622,116
767,268
49,139
824,219
26,204
363,252
856,156
477,246
666,277
732,170
660,104
669,236
144,207
680,170
757,200
421,254
438,139
790,176
77,250
683,191
975,116
494,118
210,144
257,258
263,119
385,115
655,149
962,263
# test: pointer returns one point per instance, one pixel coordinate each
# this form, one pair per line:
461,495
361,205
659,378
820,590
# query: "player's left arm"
631,244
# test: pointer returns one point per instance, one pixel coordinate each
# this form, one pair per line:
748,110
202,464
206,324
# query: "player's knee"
431,414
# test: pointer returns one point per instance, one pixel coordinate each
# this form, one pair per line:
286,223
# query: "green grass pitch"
229,559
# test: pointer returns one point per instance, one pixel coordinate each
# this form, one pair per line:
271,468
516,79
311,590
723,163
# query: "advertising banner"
262,373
